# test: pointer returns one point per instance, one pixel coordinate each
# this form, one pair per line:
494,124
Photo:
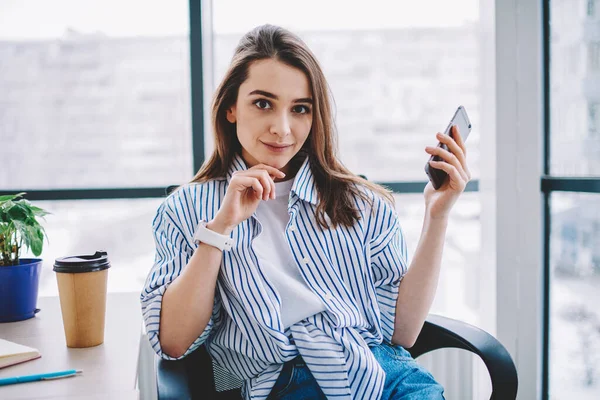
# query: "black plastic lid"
85,263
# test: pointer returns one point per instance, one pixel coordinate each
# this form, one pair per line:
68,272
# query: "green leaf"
37,242
4,208
19,212
19,226
38,212
24,232
44,233
32,236
10,197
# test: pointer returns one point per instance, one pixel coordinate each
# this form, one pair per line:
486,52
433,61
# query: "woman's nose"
281,125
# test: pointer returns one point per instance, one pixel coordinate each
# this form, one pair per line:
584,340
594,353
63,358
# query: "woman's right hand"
245,191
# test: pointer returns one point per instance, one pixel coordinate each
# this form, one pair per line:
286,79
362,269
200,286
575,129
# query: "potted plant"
19,277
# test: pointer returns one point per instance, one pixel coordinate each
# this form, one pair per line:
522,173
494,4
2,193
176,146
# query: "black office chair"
197,377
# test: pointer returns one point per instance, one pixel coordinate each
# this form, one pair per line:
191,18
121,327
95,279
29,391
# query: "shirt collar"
304,183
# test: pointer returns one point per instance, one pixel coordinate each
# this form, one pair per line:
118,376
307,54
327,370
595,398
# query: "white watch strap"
205,235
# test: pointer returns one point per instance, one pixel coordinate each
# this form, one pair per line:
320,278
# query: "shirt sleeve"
173,252
389,264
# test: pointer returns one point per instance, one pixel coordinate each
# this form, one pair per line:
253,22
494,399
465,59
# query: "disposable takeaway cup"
82,291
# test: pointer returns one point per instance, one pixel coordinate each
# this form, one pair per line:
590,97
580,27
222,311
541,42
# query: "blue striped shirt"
354,270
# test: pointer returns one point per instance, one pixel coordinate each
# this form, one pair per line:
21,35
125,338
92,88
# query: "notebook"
13,353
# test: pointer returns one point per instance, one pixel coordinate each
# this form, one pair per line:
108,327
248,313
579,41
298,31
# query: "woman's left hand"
438,203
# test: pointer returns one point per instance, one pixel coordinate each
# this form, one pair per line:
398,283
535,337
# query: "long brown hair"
336,185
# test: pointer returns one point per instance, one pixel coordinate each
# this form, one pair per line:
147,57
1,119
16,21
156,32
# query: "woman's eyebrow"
274,97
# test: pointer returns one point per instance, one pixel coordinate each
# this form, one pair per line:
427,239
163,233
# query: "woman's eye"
262,104
301,109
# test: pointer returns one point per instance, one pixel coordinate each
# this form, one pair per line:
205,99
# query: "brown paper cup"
82,290
83,307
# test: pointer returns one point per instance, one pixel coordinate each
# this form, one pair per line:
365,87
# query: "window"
574,94
93,98
396,81
574,288
572,187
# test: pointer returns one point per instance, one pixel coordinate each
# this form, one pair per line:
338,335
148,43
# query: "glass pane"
94,94
574,296
123,228
575,88
397,78
457,295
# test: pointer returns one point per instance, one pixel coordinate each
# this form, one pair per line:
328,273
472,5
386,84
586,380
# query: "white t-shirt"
297,300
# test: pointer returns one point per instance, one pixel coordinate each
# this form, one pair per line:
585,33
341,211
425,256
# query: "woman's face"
273,114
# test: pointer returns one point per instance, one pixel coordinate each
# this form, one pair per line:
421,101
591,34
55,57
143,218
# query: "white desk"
109,370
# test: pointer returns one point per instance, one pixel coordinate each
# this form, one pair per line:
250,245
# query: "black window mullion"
153,192
546,199
89,194
570,184
197,89
418,187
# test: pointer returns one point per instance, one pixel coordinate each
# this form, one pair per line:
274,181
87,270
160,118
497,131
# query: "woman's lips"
277,148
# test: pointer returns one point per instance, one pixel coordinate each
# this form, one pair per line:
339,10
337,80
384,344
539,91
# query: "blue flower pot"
19,290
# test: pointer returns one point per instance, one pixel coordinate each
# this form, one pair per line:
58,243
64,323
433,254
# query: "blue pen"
39,377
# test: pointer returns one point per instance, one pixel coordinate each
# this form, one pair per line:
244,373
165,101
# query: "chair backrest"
170,189
207,380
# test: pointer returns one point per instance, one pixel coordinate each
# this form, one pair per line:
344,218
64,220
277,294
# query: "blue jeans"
404,378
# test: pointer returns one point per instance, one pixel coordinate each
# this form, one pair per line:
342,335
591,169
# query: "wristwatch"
205,235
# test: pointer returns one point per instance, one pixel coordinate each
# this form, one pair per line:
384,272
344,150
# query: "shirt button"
327,296
306,260
292,228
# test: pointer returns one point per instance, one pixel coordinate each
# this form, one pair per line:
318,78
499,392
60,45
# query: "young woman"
286,265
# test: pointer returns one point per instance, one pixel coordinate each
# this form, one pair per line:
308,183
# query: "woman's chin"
278,166
275,162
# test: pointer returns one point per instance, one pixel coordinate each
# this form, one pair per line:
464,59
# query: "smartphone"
461,120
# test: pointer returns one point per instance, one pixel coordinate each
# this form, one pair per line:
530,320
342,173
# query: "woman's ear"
231,114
